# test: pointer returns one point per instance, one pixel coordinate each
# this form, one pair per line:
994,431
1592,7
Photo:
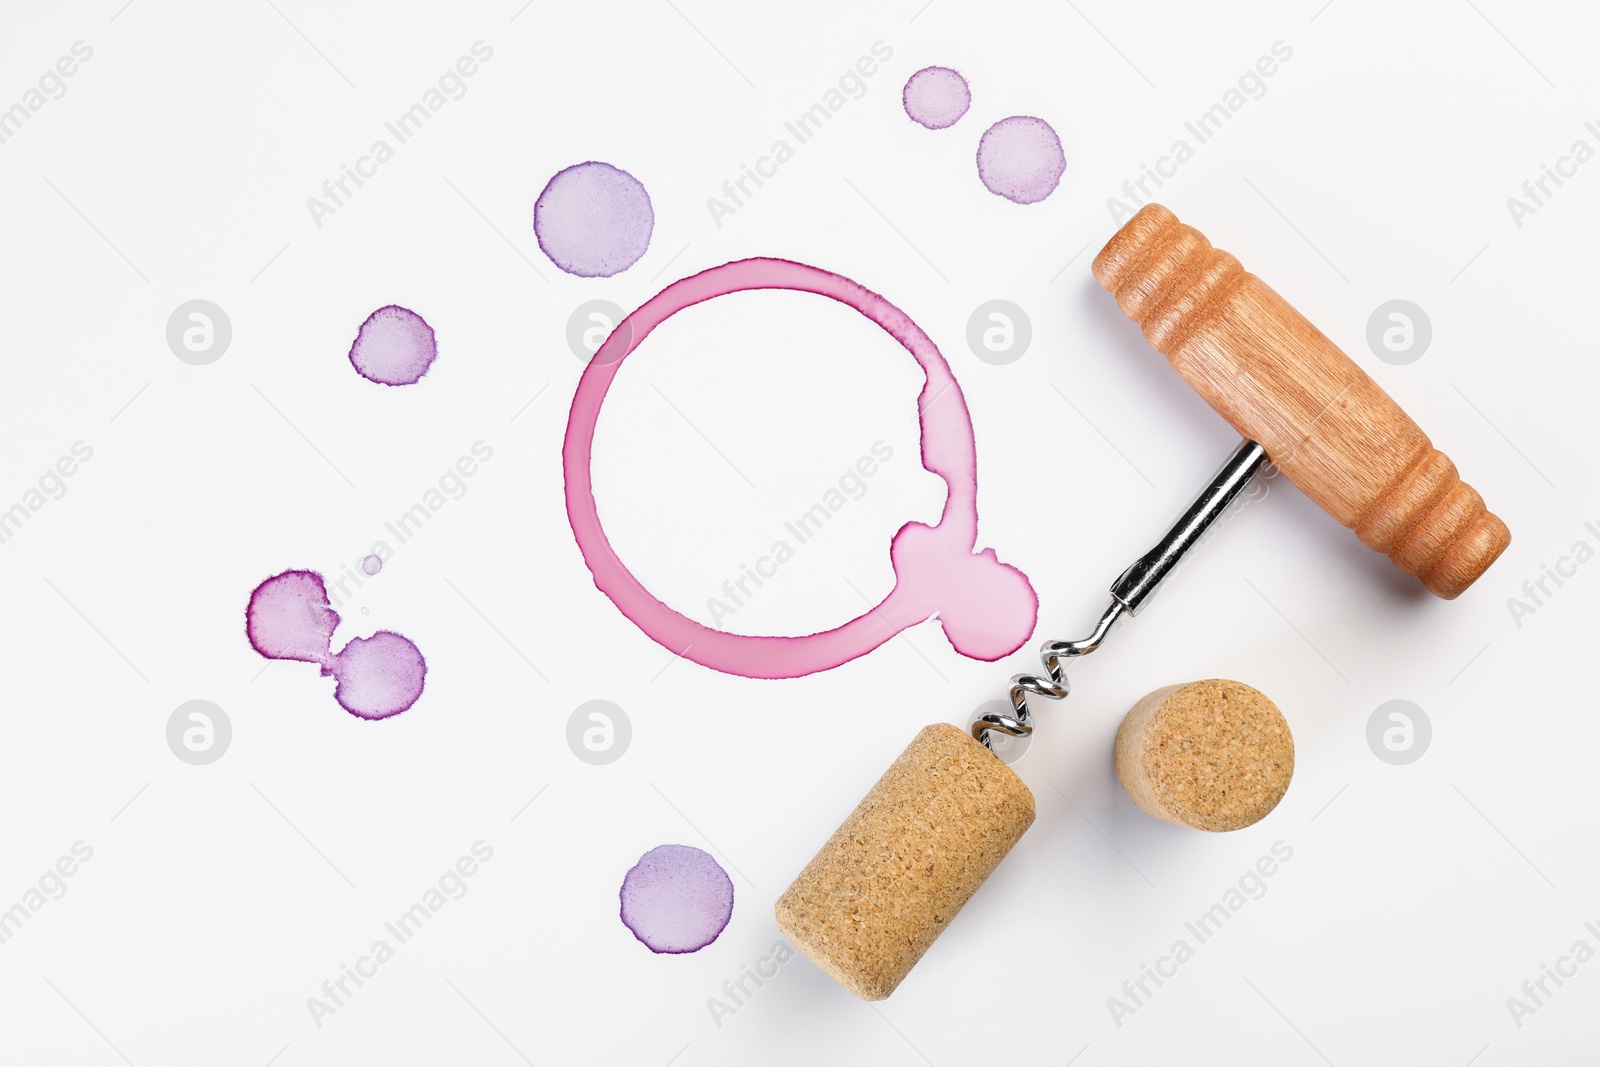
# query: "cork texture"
915,849
1212,755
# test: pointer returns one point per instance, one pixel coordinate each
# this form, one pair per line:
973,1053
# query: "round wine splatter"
676,899
289,618
377,676
593,220
1020,158
936,97
372,564
395,346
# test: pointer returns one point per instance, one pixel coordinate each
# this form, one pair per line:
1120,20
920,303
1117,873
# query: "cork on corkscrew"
1279,381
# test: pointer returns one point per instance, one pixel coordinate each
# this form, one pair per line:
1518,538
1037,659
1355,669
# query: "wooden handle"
1323,421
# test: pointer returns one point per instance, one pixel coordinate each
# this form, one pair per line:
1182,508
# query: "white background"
219,898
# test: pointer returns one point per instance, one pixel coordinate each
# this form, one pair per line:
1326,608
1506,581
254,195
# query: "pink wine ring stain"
289,618
987,608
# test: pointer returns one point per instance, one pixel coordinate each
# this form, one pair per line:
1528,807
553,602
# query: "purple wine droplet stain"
593,220
936,97
395,346
378,676
372,564
676,899
289,618
1020,158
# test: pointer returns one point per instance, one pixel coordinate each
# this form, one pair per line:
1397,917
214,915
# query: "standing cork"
901,866
1212,755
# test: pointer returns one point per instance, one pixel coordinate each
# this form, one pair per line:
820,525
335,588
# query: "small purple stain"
936,97
378,675
593,220
372,564
676,899
289,618
1020,158
395,346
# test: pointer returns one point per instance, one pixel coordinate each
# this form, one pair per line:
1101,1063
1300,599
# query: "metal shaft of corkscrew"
1129,592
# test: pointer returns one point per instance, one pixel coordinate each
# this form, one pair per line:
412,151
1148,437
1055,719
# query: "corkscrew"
900,867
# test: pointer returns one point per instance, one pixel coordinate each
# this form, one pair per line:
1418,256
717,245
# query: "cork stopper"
1212,755
901,866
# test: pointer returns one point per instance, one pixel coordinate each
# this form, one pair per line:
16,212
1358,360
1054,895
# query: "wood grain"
1278,380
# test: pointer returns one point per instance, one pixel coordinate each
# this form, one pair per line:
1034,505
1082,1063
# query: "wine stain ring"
987,608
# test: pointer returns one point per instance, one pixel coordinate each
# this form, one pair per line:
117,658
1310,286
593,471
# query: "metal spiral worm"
1052,683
